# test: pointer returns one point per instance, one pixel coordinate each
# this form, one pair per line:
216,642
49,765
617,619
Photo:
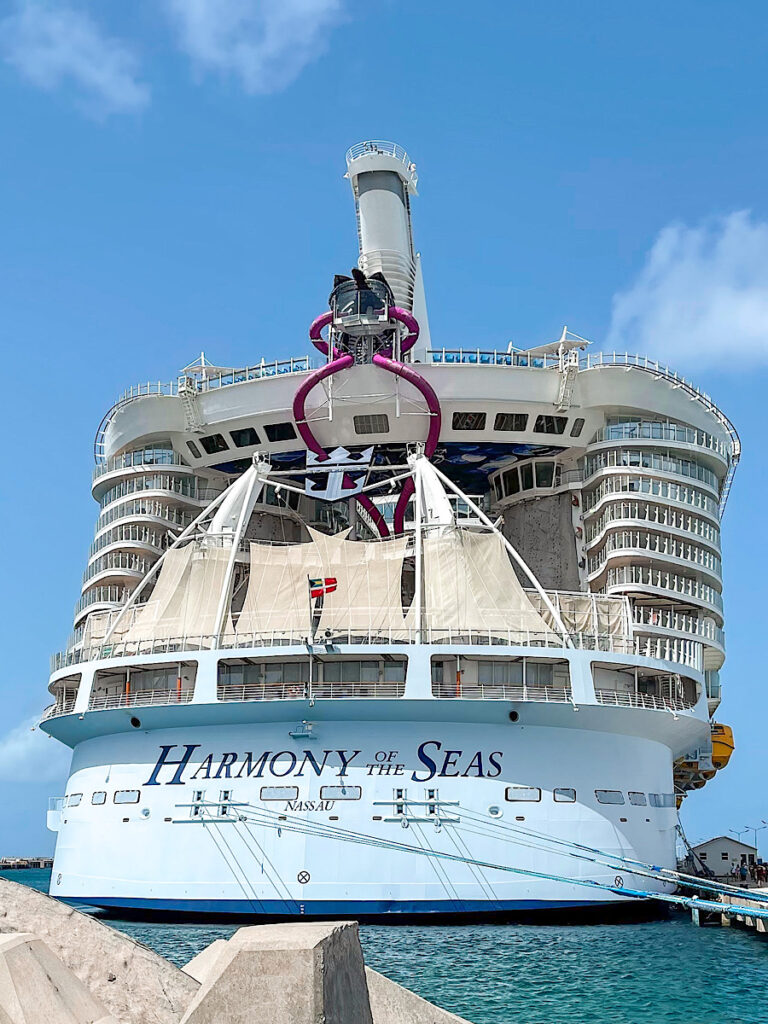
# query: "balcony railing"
626,484
650,462
625,699
654,430
144,458
502,691
144,508
307,691
639,541
138,698
660,579
667,649
61,707
664,618
654,516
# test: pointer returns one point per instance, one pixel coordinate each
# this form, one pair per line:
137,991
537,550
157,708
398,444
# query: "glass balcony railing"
653,430
662,516
655,462
660,579
625,484
655,544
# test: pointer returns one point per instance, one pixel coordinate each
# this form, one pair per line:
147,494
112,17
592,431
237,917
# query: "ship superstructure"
393,627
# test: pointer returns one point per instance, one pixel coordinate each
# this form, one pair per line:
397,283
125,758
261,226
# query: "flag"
323,585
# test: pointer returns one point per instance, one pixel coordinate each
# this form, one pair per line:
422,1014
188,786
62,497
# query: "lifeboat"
690,775
722,745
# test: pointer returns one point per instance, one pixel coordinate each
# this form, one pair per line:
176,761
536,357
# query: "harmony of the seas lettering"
435,762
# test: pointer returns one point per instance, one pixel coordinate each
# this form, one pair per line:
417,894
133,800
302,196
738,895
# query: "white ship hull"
253,856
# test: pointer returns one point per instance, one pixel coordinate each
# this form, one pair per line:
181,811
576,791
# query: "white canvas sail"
186,596
469,584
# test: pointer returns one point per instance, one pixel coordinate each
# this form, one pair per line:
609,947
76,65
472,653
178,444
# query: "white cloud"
264,43
29,755
53,45
701,298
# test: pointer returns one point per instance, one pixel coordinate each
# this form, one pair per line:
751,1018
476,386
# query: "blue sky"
170,180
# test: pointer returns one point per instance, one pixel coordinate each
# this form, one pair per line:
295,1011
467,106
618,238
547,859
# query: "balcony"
139,698
305,691
631,577
626,485
656,517
653,430
650,462
640,543
620,699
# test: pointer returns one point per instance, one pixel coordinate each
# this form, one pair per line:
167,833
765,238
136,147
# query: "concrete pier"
58,966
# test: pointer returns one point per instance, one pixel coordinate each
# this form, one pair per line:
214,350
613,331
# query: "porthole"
136,722
514,716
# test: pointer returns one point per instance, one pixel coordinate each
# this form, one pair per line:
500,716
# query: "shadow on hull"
625,912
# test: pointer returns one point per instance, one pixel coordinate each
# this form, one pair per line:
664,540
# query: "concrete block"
199,966
135,985
303,973
393,1004
37,988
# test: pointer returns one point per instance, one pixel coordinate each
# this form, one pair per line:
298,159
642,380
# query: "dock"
711,916
19,863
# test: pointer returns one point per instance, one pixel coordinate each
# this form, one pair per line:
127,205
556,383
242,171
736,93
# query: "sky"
171,181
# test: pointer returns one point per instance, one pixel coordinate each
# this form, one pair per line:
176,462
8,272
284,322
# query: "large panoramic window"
279,431
244,437
550,424
214,443
468,421
511,421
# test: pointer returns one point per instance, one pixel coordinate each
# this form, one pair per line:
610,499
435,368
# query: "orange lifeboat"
722,745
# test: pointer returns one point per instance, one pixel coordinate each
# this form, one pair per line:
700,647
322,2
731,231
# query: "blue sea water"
663,972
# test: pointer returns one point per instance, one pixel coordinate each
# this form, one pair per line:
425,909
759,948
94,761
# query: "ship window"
519,794
469,421
279,792
545,474
75,800
499,673
550,424
99,798
214,443
510,421
194,449
539,673
279,431
609,796
511,481
126,796
244,437
371,424
497,489
564,796
638,799
662,799
526,476
578,426
340,792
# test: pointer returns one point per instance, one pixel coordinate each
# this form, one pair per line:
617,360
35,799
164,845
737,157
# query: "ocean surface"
652,973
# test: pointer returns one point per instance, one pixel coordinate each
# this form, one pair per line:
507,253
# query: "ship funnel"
383,179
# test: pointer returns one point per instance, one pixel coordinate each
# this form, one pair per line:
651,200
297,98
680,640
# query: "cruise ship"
393,628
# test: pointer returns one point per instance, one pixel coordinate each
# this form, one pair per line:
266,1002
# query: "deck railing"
138,698
626,699
236,692
684,652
